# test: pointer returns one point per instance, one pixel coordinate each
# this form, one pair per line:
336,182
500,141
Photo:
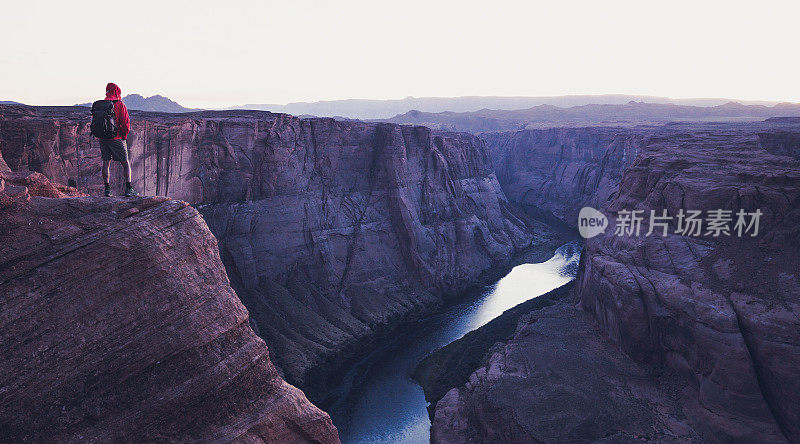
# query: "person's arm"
123,121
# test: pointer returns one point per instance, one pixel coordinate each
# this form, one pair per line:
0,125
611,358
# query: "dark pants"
114,149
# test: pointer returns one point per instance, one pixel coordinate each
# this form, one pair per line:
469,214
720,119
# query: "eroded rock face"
117,323
558,380
330,231
722,310
781,143
555,172
679,338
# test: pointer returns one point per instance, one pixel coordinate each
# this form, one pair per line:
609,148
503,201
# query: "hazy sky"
226,52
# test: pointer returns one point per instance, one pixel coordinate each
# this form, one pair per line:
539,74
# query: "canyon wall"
723,310
330,231
553,173
783,141
117,323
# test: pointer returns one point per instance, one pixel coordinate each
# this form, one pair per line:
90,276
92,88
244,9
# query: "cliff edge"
117,323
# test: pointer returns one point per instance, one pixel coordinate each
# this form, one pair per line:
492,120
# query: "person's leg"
106,155
126,171
106,168
120,152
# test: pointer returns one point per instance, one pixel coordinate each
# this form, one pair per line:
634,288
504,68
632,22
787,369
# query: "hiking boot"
130,192
108,191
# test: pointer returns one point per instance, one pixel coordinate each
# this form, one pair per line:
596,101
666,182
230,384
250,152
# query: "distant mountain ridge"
156,103
366,109
497,113
631,113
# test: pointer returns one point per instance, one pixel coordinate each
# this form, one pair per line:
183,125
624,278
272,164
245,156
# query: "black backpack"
104,122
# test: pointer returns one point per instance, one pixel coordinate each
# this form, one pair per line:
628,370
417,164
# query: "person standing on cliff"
111,125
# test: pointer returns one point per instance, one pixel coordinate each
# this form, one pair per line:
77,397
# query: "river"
381,403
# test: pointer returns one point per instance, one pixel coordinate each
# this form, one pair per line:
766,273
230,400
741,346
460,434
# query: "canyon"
332,233
553,173
665,338
723,310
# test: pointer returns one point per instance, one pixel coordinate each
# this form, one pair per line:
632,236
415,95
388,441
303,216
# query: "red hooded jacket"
120,111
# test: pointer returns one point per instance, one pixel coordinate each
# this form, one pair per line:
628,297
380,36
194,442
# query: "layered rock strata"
725,310
330,231
117,323
553,173
677,337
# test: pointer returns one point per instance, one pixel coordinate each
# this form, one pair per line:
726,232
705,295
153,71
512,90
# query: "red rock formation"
722,310
117,323
330,231
683,338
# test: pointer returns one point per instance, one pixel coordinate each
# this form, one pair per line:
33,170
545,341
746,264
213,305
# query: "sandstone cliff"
553,173
117,323
722,310
330,231
679,338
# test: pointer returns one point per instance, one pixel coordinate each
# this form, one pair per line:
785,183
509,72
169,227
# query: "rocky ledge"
117,323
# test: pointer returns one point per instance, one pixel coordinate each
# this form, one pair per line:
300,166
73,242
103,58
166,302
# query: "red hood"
113,92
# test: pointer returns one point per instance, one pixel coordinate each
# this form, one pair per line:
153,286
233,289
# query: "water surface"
381,403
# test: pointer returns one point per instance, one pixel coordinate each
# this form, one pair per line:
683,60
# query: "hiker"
111,125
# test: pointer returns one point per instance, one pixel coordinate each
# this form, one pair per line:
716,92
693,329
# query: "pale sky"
227,52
